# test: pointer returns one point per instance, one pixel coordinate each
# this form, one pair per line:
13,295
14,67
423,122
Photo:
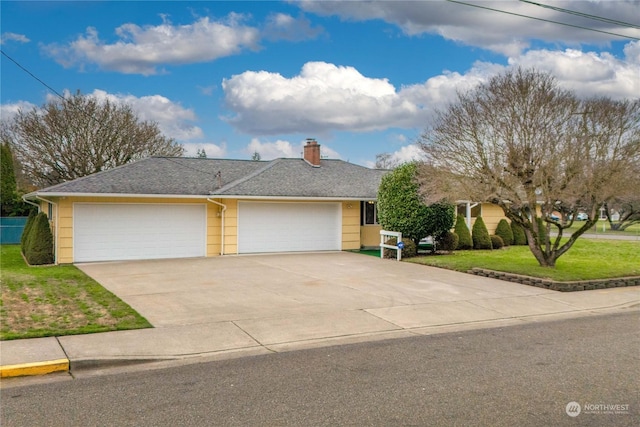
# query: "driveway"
289,297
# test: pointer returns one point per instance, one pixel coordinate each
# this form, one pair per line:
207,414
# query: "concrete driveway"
285,298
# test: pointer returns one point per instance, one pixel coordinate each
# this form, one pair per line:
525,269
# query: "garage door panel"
289,227
104,232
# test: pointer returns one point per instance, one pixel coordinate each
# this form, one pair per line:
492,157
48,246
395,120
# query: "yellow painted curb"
37,368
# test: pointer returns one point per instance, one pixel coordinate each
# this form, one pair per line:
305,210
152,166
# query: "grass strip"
586,260
56,300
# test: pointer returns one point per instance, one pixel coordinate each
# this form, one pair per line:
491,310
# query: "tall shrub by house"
480,235
504,231
40,242
542,230
26,230
519,237
464,236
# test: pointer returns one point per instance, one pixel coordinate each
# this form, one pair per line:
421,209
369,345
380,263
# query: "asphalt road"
515,376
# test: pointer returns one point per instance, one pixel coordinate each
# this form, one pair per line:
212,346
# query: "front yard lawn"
586,260
56,300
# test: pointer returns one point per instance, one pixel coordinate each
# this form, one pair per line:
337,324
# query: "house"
163,207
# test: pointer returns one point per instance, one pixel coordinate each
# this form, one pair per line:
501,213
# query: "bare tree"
536,150
80,135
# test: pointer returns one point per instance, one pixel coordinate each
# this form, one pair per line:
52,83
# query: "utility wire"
542,19
583,15
32,75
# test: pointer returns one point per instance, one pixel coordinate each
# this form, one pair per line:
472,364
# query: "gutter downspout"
224,208
55,240
31,203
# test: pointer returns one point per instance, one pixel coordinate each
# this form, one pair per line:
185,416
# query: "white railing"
384,236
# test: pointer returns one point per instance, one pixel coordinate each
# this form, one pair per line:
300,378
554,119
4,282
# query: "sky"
363,78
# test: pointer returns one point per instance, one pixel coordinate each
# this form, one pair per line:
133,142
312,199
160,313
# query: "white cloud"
280,26
173,120
407,153
213,151
273,150
485,28
324,97
8,111
140,50
589,73
13,37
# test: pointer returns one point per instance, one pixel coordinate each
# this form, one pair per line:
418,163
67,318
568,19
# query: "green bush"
447,241
504,231
464,236
27,229
519,236
480,235
40,242
542,231
410,249
496,241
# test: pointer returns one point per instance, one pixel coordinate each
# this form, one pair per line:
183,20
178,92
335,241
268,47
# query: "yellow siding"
491,215
350,226
370,236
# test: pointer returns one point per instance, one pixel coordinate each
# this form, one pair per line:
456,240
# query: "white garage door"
289,227
105,232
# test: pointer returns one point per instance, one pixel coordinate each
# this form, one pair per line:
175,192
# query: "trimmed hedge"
504,231
496,242
480,235
26,230
542,231
519,236
464,236
39,242
447,242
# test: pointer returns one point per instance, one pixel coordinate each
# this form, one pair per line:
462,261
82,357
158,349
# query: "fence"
11,228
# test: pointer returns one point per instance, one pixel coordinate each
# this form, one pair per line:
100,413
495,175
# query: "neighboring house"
163,207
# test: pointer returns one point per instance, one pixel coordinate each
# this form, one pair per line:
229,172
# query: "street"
520,375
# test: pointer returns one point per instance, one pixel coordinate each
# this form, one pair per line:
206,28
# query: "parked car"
427,244
581,216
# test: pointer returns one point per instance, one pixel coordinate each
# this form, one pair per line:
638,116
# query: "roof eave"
35,194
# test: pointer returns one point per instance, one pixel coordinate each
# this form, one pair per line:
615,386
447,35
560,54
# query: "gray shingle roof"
199,177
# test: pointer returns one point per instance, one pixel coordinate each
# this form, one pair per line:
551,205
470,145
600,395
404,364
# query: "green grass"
586,260
602,227
56,300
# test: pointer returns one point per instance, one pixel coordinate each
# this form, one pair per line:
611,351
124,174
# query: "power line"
542,19
583,15
32,75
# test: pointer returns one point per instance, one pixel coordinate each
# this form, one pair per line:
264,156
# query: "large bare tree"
536,150
80,135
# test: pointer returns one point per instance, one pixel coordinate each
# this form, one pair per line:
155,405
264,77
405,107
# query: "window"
50,211
369,213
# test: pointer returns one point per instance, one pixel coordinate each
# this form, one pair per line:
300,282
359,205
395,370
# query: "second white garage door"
106,232
289,227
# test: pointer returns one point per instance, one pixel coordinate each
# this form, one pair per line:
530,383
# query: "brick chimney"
312,152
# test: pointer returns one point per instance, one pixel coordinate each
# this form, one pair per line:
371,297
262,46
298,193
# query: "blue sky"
363,78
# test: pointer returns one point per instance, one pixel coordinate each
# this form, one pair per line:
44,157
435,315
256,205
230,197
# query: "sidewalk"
228,339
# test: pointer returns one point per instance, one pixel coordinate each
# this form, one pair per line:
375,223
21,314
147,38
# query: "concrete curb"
36,368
